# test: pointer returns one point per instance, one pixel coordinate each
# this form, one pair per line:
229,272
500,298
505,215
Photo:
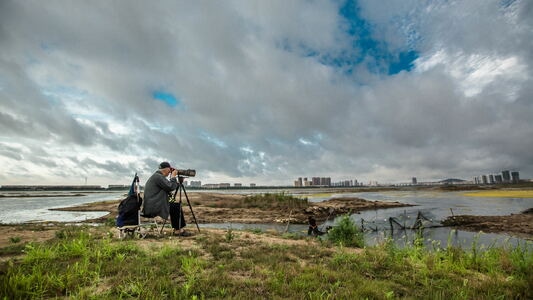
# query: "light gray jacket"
156,195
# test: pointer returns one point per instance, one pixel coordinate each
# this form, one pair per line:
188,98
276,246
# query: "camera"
188,172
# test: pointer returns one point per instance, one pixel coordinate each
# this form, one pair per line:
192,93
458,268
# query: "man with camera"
157,192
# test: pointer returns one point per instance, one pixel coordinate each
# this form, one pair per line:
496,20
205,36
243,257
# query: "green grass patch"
235,264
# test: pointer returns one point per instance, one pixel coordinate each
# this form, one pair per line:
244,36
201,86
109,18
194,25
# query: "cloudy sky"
265,91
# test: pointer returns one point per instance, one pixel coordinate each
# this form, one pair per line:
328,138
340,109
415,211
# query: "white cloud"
474,72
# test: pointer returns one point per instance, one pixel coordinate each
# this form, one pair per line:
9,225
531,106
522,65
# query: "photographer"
157,192
313,227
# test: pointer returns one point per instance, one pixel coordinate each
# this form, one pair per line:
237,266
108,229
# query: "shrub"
14,239
346,233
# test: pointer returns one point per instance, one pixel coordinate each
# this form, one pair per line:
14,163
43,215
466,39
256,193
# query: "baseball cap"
164,164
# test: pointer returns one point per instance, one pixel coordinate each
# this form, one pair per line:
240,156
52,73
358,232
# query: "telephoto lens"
188,173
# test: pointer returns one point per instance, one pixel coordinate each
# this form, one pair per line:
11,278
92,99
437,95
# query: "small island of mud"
516,224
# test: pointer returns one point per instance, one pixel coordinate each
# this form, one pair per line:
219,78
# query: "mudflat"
219,208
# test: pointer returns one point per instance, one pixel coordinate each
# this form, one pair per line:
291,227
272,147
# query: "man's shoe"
183,233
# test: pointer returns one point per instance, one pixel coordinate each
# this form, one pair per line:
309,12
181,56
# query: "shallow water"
435,207
14,210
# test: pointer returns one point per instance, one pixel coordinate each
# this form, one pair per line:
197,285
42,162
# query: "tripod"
180,189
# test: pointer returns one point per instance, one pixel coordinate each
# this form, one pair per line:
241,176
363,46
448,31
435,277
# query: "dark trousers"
176,216
313,230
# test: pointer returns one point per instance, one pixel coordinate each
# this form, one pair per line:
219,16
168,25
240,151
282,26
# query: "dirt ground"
219,208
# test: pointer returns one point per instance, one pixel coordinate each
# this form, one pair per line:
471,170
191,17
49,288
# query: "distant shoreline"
443,187
40,195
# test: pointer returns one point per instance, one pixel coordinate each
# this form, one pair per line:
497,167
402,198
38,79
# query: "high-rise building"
194,183
515,177
484,179
413,180
491,179
498,178
506,175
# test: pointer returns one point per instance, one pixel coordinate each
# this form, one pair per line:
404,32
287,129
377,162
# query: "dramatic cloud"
265,91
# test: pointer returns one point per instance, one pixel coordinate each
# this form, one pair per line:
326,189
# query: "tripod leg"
180,213
162,226
190,207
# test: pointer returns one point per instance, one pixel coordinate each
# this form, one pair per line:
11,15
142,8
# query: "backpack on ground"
128,210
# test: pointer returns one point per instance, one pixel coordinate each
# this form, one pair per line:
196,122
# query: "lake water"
15,210
434,206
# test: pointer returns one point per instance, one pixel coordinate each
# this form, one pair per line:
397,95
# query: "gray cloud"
255,100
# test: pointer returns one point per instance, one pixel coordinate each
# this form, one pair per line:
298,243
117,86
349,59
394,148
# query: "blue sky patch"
375,54
404,63
366,49
383,59
166,97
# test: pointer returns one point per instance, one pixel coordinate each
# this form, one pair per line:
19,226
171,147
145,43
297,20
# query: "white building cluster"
505,177
323,181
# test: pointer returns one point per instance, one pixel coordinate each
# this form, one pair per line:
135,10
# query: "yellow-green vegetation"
267,200
502,193
321,195
280,200
79,263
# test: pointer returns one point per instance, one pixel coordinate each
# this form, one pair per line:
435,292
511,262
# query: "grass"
264,201
85,263
502,193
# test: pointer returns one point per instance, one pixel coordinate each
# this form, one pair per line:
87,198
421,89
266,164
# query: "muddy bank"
516,224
